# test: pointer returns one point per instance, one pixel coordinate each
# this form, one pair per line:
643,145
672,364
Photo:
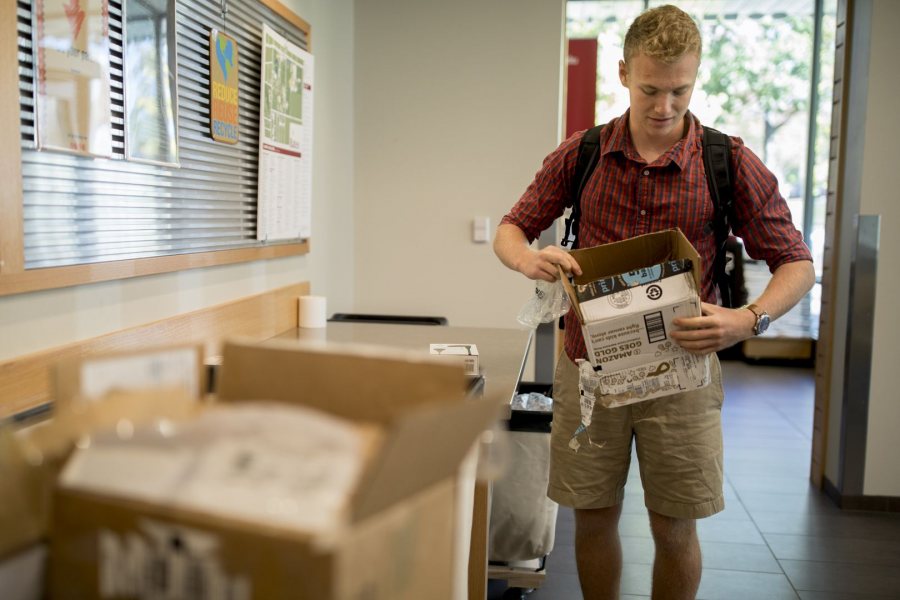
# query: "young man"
650,177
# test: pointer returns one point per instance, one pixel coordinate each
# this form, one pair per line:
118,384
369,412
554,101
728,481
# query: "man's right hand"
514,251
541,264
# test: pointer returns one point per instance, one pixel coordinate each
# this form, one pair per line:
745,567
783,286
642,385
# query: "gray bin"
523,519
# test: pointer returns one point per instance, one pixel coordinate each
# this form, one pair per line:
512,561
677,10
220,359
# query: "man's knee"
670,532
597,520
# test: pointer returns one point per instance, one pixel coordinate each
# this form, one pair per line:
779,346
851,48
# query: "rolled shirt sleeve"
545,198
762,218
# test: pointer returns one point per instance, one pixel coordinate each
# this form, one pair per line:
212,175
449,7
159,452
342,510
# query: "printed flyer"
72,76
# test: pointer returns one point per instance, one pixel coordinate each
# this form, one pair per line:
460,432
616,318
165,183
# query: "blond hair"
665,33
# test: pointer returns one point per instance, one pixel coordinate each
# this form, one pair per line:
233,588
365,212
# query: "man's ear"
623,73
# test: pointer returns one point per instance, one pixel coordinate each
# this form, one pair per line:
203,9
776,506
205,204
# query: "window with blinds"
80,210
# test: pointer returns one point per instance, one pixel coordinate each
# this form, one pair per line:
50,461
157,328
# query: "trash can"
523,520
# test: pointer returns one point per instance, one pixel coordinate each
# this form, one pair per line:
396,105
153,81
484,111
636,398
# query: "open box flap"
423,447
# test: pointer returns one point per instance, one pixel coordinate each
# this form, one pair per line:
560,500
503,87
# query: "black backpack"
716,162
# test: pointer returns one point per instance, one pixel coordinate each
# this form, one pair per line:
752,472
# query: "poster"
285,140
151,97
223,83
72,76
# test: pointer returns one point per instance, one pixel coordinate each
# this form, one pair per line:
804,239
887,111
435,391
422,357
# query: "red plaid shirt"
625,197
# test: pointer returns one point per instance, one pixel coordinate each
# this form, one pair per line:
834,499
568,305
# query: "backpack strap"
719,177
588,155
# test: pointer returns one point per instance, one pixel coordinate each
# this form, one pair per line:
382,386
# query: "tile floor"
778,537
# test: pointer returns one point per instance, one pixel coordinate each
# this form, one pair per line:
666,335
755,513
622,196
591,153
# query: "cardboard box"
626,299
395,542
464,354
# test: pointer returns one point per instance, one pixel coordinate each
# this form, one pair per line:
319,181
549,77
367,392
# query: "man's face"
660,94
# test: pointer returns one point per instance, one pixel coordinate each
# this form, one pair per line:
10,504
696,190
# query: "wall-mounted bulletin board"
131,135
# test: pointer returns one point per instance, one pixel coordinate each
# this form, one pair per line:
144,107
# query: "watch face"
762,323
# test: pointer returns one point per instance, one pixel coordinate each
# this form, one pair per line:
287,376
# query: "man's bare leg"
677,565
598,552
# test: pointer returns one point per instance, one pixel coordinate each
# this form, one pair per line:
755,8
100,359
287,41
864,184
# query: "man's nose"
663,104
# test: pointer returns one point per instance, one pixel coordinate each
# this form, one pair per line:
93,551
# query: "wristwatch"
762,318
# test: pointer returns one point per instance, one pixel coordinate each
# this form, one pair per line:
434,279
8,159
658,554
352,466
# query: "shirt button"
646,172
643,212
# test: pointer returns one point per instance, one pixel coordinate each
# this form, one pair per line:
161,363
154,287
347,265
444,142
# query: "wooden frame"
14,278
830,260
25,380
284,12
12,254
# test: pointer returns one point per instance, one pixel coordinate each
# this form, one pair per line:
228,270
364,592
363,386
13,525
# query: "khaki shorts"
678,440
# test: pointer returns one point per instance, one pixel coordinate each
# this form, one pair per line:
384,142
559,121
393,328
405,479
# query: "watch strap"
759,313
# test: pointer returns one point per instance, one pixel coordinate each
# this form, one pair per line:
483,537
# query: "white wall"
456,105
40,320
881,196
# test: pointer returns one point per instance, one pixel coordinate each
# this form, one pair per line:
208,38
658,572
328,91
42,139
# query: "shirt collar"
619,140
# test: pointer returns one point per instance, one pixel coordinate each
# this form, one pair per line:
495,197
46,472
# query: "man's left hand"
718,328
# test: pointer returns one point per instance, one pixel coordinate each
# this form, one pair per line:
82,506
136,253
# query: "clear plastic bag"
532,401
548,303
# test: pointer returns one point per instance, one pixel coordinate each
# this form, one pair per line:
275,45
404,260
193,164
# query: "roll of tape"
312,312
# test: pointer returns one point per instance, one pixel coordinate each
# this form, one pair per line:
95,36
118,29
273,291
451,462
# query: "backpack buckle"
568,237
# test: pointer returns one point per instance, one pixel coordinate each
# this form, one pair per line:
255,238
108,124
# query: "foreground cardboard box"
626,298
396,542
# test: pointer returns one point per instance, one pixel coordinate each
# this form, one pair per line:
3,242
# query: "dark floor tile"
558,586
772,484
637,550
728,556
716,584
634,525
562,559
734,511
810,501
764,453
755,467
637,579
723,530
739,585
565,530
864,526
842,577
830,549
716,555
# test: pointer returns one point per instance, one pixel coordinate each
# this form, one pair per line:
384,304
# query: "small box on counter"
464,354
